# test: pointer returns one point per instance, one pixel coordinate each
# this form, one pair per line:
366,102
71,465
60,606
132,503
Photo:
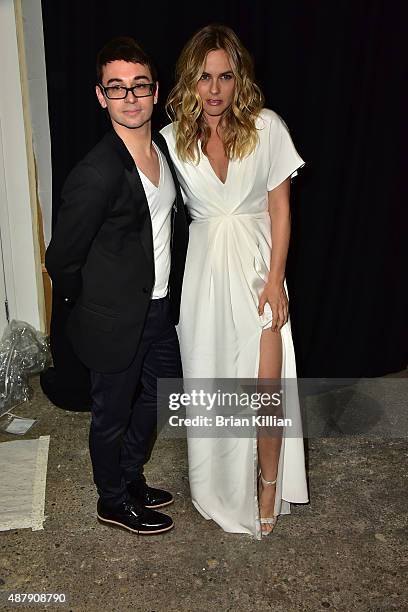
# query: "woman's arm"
274,291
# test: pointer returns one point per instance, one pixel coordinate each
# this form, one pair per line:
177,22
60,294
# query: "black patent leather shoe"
147,496
134,518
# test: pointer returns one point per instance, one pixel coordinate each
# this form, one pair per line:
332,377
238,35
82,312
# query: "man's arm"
82,212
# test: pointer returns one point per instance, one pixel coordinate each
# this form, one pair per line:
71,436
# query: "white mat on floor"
23,475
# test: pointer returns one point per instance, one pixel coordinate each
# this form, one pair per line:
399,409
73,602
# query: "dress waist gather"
232,215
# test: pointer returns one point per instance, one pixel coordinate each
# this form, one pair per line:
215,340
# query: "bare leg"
269,438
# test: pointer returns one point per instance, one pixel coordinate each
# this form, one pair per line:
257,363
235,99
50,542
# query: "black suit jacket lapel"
136,186
158,139
146,232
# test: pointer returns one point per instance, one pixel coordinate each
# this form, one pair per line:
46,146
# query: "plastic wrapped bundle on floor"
24,351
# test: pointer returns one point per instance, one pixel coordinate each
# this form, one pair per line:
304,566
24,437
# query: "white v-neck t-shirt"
160,200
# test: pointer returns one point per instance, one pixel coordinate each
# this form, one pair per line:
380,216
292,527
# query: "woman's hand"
275,295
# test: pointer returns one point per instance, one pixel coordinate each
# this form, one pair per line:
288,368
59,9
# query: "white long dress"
220,328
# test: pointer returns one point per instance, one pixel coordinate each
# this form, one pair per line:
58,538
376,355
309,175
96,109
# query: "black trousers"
124,406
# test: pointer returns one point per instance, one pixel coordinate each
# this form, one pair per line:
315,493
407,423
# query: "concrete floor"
346,550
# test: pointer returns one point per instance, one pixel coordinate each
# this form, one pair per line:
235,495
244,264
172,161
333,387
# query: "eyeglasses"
118,92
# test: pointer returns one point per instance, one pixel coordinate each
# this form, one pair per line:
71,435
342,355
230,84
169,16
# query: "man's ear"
156,93
100,96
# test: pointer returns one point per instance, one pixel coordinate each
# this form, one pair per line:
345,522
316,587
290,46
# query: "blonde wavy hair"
184,105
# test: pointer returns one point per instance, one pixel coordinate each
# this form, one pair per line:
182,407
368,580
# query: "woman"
234,161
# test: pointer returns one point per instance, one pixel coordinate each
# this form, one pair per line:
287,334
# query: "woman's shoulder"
169,133
268,118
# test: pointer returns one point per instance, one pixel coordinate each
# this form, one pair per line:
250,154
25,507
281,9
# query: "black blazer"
101,254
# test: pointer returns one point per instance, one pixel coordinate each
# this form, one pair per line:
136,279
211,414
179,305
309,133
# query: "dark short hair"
123,48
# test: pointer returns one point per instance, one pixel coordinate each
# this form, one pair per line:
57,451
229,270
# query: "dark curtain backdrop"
334,71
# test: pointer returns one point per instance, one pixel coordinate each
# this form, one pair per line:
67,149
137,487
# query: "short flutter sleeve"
284,159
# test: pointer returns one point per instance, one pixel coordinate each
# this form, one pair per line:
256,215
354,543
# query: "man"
118,252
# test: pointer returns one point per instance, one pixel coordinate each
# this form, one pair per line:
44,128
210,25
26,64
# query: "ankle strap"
267,482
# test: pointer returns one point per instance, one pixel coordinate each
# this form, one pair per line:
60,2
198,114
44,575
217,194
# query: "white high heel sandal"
267,520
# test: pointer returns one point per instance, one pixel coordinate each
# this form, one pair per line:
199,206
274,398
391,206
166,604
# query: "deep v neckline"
156,187
212,169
